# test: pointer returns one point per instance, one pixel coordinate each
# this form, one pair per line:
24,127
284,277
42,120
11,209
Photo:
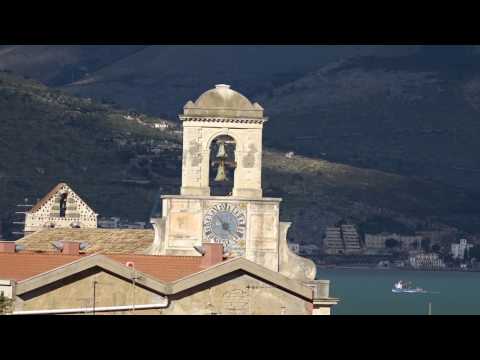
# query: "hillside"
56,65
159,79
105,154
410,110
416,114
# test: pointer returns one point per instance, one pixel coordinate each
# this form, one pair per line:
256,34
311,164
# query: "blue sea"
368,292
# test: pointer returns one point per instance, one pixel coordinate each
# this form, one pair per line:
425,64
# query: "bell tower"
222,145
222,112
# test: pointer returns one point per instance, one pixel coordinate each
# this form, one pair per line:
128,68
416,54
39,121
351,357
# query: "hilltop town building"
333,241
427,261
343,240
60,208
407,242
351,239
461,249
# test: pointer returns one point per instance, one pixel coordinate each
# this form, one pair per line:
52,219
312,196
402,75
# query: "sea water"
369,292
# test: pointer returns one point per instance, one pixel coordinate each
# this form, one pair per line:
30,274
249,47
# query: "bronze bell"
222,153
221,173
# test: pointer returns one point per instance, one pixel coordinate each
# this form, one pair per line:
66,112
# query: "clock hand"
232,233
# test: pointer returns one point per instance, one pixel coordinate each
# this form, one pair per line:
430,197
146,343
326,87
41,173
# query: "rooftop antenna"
131,265
19,217
95,282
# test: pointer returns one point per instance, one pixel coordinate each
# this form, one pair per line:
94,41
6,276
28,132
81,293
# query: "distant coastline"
373,267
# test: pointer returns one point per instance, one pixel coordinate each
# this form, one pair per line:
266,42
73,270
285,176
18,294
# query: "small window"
63,205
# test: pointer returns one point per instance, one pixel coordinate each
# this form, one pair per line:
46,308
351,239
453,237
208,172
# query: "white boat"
405,287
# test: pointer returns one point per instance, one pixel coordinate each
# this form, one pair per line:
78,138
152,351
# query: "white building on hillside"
460,250
427,261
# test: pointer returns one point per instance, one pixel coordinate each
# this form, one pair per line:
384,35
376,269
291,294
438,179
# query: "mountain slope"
409,115
402,109
58,65
159,79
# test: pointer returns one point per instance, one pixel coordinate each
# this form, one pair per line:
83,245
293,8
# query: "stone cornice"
221,198
235,120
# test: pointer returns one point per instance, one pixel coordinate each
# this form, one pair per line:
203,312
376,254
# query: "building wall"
378,241
239,295
197,138
234,294
77,292
183,227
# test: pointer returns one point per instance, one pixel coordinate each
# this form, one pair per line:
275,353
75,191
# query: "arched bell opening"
222,166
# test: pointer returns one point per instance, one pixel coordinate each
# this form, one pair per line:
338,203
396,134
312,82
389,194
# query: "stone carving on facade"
236,301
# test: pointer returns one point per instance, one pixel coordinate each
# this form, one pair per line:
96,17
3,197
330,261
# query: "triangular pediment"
242,265
49,204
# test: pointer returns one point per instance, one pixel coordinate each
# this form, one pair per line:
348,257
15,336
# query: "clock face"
225,224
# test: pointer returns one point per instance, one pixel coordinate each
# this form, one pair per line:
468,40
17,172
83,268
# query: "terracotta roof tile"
164,268
113,241
23,265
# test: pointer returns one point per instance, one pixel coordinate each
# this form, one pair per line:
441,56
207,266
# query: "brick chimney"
71,248
213,254
8,247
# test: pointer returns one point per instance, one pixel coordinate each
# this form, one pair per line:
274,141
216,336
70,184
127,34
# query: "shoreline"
366,267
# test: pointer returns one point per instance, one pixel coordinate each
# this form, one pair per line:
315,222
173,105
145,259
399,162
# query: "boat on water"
406,287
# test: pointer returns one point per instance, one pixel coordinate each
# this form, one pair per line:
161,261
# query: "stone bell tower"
217,112
244,221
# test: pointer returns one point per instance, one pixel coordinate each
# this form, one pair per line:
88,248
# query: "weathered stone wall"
234,294
240,295
197,139
184,227
77,292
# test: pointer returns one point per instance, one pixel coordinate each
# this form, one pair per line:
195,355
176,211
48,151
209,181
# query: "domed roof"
223,102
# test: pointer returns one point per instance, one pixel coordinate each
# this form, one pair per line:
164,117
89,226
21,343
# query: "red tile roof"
20,266
23,265
164,268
